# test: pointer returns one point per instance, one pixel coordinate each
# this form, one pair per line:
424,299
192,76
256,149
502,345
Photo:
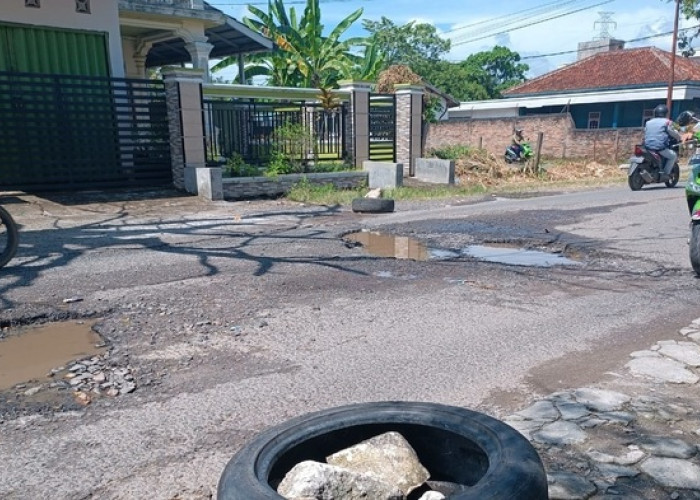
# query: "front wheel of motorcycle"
674,176
635,180
695,247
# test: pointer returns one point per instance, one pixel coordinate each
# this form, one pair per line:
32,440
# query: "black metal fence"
63,132
257,129
382,127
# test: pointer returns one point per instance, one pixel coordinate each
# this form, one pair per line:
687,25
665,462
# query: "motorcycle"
692,196
646,167
525,154
9,237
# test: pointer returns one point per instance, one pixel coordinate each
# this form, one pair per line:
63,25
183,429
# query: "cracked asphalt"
237,316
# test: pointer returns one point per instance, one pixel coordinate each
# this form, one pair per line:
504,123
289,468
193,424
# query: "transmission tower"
605,22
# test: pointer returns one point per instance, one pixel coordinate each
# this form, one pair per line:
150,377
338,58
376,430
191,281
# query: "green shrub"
236,167
453,152
279,164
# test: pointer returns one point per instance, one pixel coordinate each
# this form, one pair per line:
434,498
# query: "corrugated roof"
612,70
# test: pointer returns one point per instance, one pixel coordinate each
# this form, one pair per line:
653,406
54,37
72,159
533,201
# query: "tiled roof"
610,70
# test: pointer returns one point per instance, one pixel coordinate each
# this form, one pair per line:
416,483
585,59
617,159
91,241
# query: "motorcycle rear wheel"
695,247
9,237
635,181
674,176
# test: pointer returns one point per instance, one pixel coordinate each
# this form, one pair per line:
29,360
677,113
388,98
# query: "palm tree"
305,57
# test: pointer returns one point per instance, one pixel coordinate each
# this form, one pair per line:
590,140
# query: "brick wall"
560,137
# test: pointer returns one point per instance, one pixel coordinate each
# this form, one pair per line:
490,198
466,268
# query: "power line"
496,20
532,24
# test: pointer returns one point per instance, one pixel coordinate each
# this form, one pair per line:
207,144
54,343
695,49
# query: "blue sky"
536,29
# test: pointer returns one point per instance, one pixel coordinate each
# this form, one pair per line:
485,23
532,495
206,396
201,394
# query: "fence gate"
382,127
63,132
256,130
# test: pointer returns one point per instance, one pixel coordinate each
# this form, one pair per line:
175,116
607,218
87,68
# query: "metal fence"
382,127
257,129
62,132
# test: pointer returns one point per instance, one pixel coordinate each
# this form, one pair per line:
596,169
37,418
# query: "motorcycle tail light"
638,150
696,215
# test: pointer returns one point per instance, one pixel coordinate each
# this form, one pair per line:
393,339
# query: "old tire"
674,176
455,445
9,237
635,181
373,205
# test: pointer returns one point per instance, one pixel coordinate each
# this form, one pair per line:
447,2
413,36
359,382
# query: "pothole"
32,353
403,247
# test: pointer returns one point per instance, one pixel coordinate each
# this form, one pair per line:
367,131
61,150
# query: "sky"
545,33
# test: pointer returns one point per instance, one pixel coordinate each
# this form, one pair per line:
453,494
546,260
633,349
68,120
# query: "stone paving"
634,437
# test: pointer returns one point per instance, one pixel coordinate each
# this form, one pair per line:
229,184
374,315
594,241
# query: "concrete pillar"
185,120
409,126
357,125
199,53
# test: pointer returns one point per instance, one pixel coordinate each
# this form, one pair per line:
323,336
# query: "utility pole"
673,57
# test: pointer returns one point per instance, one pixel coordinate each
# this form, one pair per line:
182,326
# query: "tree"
306,57
691,9
409,44
497,69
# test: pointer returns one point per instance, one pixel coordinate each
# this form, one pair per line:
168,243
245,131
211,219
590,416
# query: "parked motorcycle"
692,195
525,154
9,237
646,167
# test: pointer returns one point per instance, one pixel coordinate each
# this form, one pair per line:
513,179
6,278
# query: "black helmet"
685,118
660,111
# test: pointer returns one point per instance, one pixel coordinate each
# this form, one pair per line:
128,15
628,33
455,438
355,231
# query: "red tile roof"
615,69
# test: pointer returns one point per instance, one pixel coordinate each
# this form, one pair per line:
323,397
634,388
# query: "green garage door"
30,49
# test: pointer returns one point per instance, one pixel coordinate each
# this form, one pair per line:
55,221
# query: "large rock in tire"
373,205
455,445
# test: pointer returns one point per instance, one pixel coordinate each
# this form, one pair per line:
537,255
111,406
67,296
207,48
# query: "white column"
199,53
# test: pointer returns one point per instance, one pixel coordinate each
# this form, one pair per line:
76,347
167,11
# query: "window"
594,119
82,6
32,3
647,115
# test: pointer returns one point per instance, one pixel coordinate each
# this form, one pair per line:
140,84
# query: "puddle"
388,245
403,247
517,256
34,352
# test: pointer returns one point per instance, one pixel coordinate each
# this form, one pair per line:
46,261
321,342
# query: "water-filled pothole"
33,352
403,247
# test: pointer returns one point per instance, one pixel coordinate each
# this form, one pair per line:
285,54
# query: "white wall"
104,17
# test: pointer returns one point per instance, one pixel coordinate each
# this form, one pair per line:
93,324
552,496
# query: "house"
610,89
118,38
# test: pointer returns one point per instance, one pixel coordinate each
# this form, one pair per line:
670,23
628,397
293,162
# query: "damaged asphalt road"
232,317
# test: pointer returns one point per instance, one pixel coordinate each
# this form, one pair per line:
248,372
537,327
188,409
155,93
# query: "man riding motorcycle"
516,143
657,134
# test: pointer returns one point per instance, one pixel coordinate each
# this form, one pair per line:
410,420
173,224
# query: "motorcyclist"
517,142
657,134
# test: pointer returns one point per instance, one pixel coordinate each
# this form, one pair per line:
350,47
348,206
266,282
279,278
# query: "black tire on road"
489,458
373,205
695,247
9,237
635,180
674,176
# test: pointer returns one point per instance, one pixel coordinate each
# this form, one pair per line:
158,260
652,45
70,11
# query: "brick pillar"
183,89
409,126
357,124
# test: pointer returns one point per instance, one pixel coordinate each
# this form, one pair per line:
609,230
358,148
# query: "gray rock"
688,330
589,423
673,472
666,370
388,457
567,486
690,355
572,411
525,427
615,471
309,480
432,495
560,433
601,400
542,410
667,447
645,354
617,417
